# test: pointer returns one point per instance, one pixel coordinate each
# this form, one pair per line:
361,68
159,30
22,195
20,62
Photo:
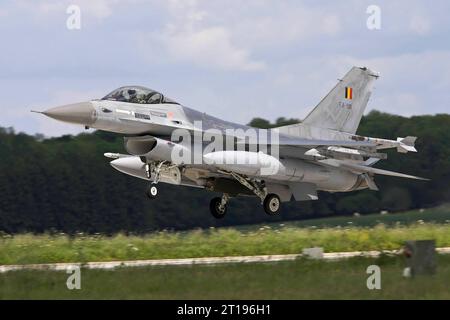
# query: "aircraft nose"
79,113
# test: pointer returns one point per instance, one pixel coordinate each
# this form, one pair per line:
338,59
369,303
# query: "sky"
232,59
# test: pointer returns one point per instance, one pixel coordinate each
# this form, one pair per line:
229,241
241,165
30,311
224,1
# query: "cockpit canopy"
137,94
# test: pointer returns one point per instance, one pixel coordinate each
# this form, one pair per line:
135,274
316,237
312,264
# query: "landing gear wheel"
272,204
217,209
152,192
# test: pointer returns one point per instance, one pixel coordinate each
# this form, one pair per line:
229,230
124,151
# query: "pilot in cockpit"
154,98
138,95
132,96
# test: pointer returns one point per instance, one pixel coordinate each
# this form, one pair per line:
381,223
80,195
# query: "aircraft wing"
288,141
301,142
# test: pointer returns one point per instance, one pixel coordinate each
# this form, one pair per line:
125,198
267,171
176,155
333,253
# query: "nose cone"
79,113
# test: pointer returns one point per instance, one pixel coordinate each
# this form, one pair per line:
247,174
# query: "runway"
201,261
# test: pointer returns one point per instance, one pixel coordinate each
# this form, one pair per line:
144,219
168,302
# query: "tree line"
65,184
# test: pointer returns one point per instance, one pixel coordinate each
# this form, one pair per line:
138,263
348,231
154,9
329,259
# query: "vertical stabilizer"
343,107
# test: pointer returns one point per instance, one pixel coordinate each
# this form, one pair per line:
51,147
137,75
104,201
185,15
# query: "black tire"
215,210
151,192
272,204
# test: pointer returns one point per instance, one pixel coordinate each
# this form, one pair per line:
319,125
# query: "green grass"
438,215
301,279
255,240
28,248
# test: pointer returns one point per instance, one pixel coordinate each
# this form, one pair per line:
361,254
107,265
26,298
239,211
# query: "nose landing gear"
152,191
161,171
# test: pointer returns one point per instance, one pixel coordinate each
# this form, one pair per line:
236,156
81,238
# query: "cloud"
208,47
3,12
98,9
420,25
233,59
410,83
188,38
285,25
404,103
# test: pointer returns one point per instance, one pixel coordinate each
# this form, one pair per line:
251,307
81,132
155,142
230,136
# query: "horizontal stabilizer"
364,169
371,161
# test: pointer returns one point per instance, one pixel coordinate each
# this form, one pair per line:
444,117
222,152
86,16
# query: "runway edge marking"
200,261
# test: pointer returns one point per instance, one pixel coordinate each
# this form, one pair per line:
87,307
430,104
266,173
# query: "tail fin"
343,107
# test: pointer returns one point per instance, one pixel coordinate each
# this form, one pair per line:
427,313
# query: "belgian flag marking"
348,93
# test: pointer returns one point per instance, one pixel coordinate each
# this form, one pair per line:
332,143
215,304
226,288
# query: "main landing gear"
272,204
270,201
218,206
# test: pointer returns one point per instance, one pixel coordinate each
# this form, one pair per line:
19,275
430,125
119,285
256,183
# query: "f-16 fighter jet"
168,142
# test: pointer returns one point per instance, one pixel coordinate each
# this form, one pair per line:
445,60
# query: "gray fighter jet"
171,143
